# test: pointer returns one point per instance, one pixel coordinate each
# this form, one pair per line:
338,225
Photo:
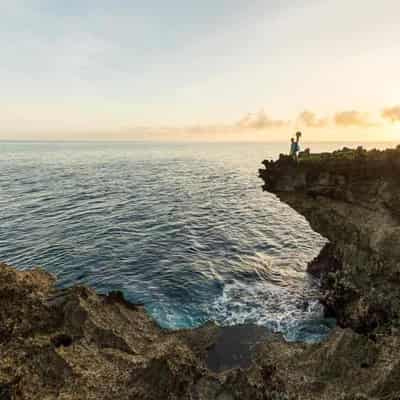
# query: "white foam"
262,303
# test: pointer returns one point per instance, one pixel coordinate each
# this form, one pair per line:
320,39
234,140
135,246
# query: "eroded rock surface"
351,197
75,344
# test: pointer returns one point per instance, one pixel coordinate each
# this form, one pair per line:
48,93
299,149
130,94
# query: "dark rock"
62,340
5,391
324,263
235,347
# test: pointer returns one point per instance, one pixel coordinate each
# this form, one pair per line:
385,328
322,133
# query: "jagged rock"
89,346
75,344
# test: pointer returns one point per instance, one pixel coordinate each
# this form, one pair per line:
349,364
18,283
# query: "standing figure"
294,146
298,136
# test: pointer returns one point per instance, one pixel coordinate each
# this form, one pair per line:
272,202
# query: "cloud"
310,120
353,118
260,120
392,114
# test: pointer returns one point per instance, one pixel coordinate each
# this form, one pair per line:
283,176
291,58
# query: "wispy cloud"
391,113
354,118
310,120
260,120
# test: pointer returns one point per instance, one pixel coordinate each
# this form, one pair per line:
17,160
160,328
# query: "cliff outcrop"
352,198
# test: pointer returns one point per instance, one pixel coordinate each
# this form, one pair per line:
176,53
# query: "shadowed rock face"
74,344
353,199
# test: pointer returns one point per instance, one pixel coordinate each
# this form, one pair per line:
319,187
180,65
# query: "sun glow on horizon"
127,70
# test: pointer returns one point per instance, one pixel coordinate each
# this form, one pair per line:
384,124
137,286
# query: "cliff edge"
352,198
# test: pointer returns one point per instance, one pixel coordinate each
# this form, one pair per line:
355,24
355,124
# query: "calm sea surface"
183,228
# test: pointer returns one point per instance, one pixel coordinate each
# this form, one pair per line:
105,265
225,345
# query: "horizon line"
184,141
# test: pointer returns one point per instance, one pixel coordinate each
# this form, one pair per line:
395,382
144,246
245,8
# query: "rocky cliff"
351,197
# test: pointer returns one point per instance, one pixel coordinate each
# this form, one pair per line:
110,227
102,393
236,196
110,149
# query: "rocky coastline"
76,344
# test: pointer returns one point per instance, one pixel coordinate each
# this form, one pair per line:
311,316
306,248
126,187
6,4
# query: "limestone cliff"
351,197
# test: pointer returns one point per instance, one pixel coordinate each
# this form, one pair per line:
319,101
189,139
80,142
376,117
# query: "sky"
199,70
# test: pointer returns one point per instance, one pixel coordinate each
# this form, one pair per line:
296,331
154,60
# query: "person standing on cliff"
294,146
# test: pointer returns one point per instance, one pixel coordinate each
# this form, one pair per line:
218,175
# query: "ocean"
183,228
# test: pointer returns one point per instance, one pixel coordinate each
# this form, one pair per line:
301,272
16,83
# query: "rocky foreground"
75,344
